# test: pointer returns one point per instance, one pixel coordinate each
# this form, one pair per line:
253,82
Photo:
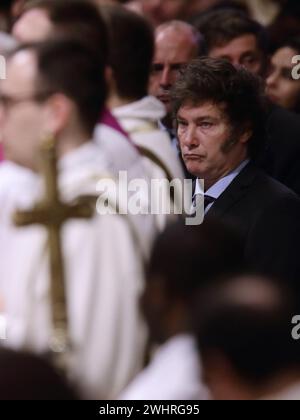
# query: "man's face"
33,26
209,148
242,52
21,117
173,51
160,11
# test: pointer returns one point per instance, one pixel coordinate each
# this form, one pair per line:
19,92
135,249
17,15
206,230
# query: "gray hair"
184,27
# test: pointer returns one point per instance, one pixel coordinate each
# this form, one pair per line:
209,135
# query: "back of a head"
247,323
220,27
78,19
188,258
131,51
28,377
73,69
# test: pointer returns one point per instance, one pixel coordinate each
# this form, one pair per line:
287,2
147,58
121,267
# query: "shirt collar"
220,186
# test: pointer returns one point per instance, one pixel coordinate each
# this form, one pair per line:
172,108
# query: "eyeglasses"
8,102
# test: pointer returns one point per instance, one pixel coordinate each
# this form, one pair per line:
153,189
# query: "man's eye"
177,67
206,125
249,61
287,74
157,68
182,123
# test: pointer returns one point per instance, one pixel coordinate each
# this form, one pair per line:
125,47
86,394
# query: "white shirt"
173,374
140,120
219,187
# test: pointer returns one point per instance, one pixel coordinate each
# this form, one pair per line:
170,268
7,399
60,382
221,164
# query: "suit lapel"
235,192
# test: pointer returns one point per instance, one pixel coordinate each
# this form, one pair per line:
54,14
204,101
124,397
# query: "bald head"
176,44
176,32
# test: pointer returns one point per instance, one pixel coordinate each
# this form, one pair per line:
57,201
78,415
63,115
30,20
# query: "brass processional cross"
52,213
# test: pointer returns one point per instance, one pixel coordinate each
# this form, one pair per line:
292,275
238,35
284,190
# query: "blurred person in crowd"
40,101
176,44
184,260
138,113
282,87
27,377
286,25
231,35
243,42
244,334
80,19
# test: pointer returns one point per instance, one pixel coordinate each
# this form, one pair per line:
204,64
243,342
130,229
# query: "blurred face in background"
282,89
242,52
175,47
22,115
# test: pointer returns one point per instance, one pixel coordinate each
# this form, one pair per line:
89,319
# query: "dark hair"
28,377
188,258
79,19
219,27
6,5
252,333
237,90
5,14
293,43
131,51
71,68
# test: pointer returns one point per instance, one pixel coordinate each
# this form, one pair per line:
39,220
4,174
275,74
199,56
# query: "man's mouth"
193,157
164,98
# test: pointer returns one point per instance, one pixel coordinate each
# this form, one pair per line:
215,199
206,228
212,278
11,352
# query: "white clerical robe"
141,121
104,280
122,155
175,373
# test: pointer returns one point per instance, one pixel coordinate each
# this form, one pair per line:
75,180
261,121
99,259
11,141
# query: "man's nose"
190,139
166,81
237,64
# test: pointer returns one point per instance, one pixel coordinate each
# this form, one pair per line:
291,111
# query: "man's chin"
166,100
193,170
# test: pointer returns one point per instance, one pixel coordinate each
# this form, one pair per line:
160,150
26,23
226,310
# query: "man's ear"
58,112
246,135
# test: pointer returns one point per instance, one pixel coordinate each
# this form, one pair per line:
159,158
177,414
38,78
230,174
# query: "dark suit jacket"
267,215
281,156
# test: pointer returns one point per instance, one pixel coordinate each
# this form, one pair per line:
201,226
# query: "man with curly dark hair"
219,111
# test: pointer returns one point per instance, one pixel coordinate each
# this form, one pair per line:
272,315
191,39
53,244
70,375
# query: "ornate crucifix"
52,213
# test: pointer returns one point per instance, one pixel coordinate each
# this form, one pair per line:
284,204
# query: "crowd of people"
154,305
